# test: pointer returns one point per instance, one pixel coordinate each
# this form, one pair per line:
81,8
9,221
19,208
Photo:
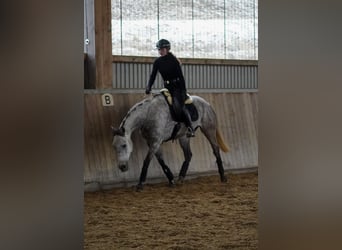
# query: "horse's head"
123,147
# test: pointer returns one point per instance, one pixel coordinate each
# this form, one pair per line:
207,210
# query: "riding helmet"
163,43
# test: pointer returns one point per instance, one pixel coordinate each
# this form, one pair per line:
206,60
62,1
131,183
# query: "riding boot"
190,132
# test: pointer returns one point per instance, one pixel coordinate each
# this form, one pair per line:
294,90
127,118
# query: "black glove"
147,90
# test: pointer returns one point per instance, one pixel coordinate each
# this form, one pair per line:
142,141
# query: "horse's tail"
223,146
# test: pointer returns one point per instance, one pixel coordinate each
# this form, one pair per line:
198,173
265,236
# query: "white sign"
107,100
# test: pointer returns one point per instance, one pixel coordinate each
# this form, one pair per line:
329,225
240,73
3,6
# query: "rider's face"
162,51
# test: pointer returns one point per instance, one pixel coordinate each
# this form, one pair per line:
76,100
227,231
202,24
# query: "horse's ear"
122,131
115,131
118,131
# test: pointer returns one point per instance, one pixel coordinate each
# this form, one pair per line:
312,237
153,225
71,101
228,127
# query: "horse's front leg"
165,168
185,144
143,173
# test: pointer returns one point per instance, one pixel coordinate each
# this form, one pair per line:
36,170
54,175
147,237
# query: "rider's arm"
152,77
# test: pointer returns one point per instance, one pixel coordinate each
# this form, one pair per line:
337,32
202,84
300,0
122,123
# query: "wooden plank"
146,59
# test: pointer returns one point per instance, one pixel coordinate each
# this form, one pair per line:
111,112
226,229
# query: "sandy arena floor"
202,213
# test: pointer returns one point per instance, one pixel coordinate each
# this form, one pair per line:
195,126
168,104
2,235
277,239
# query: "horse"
154,119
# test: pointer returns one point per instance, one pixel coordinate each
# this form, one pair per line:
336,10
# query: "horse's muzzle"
123,167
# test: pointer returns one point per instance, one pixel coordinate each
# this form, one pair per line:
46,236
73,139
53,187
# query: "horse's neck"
134,118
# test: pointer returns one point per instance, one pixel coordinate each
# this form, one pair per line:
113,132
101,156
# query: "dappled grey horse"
152,116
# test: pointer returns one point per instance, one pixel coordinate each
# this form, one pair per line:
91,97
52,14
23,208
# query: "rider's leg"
181,112
187,122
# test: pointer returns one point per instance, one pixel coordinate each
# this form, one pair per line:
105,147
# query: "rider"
169,67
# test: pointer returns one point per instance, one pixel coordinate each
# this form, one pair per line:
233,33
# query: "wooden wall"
237,118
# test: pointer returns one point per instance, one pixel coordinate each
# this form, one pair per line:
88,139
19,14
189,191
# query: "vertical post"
103,43
89,45
99,47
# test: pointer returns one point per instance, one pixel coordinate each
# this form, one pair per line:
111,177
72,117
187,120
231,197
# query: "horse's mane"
136,106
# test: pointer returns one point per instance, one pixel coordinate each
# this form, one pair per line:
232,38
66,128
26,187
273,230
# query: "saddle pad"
168,96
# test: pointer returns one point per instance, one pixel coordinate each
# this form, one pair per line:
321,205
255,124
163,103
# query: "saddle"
188,104
168,97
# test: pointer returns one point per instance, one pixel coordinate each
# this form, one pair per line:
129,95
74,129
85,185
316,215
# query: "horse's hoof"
224,179
172,183
180,179
139,188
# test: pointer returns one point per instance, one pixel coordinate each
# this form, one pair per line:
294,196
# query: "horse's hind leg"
185,144
210,134
165,168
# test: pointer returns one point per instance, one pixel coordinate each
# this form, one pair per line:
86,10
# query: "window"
218,29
